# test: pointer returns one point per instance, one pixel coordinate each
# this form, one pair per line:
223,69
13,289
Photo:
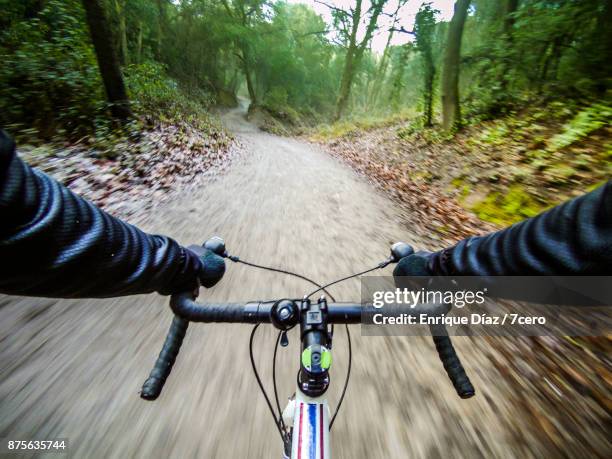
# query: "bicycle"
305,424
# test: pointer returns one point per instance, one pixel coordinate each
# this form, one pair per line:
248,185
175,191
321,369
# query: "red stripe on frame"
299,454
321,430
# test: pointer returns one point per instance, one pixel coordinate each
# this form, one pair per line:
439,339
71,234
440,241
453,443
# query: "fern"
586,121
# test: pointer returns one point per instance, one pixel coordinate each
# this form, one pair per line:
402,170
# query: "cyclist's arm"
54,243
574,238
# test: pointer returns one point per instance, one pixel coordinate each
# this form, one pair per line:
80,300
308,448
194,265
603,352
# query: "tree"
245,14
32,8
108,62
403,52
424,31
161,26
348,23
122,46
451,109
509,8
384,61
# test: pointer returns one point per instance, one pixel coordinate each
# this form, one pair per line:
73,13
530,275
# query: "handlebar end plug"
400,250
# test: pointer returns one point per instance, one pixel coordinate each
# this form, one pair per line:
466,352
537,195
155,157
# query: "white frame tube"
310,438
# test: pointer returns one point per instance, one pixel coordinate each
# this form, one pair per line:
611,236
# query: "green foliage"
49,78
528,161
424,28
349,127
410,129
580,126
277,97
50,84
495,135
508,207
154,92
544,50
185,55
295,65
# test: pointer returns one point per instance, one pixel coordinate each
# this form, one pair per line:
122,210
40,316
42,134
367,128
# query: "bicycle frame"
309,419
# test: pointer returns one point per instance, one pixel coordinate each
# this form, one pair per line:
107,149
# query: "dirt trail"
73,369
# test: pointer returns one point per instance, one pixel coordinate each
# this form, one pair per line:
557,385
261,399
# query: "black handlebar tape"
451,362
154,384
184,306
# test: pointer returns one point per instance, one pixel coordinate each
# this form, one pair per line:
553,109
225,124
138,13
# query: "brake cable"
277,421
379,266
348,375
236,259
280,412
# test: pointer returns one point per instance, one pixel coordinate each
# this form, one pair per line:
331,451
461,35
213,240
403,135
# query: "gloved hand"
201,267
212,270
417,264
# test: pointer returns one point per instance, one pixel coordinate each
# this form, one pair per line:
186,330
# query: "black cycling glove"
416,264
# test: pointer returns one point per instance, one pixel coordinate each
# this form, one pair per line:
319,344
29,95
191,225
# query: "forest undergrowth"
127,173
174,140
497,171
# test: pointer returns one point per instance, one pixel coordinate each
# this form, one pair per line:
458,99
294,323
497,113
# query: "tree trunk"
551,58
451,109
355,52
380,72
430,73
556,57
33,8
107,59
345,84
249,80
139,43
161,27
121,35
509,9
397,85
232,86
349,64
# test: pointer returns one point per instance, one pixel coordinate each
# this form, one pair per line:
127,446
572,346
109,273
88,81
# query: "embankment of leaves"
128,173
498,171
281,119
561,387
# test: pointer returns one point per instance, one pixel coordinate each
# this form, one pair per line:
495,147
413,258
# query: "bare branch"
402,30
331,7
336,42
316,32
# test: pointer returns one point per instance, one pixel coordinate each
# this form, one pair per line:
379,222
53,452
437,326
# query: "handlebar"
184,306
154,384
186,310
